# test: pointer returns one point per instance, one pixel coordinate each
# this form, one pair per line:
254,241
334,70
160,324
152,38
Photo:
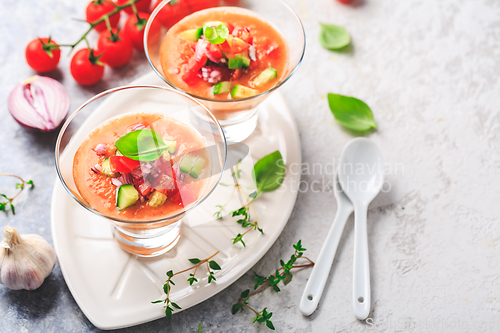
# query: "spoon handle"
319,275
361,274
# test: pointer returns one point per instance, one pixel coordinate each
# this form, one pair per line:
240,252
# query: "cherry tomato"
141,5
196,5
122,164
172,13
86,68
116,48
43,54
96,9
134,29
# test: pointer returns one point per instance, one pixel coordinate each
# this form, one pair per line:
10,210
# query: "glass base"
240,131
148,243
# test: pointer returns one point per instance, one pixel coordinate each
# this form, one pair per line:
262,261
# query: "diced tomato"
225,47
271,49
237,44
122,164
196,5
237,74
215,51
192,68
254,64
229,27
243,34
188,197
182,195
165,182
171,14
143,186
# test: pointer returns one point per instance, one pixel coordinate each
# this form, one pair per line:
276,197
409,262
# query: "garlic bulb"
25,261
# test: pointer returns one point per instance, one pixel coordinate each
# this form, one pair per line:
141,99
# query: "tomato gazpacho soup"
224,53
141,166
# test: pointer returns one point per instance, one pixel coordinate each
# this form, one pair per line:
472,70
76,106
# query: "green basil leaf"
333,37
141,145
269,172
216,35
351,113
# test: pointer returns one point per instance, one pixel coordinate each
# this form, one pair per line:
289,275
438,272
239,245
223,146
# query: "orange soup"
141,166
224,53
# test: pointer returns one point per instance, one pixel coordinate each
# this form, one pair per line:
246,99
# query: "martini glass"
150,236
238,117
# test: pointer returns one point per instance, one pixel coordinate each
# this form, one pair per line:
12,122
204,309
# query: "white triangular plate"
115,289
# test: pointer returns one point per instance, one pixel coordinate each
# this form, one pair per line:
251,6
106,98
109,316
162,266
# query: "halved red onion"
39,102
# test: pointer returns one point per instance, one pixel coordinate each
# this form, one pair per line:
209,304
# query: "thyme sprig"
269,173
211,265
20,186
282,274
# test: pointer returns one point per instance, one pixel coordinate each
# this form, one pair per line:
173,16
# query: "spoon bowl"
361,170
361,177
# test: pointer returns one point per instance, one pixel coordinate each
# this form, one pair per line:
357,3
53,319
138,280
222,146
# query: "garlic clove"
25,261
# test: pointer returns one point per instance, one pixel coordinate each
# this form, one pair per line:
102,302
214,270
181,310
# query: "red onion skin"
51,94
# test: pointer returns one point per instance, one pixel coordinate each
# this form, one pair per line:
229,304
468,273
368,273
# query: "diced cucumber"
192,34
244,58
197,167
240,91
264,77
212,24
127,196
192,165
222,87
106,169
187,162
172,146
157,199
235,63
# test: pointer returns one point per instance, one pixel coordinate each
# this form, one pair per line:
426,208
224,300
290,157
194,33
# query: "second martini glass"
238,117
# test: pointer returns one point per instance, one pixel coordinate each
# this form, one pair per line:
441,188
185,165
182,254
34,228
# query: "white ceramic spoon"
321,269
361,177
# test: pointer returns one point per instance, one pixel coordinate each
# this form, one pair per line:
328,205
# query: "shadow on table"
36,304
44,140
